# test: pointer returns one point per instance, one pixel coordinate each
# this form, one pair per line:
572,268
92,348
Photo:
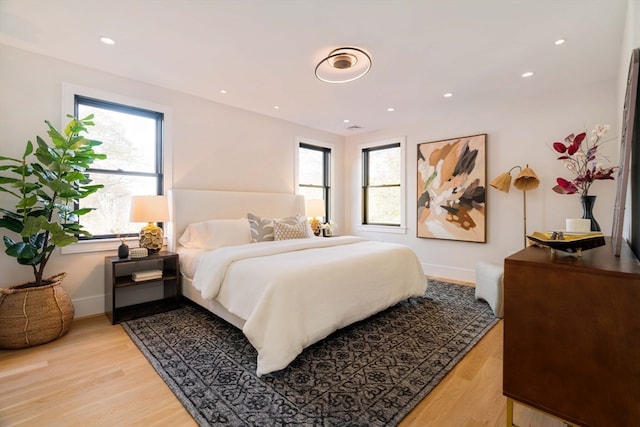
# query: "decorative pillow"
305,222
284,231
216,233
262,228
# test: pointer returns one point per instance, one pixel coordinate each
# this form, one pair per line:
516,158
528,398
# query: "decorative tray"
567,241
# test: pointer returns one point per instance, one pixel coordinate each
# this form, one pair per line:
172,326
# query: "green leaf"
7,180
28,149
74,176
8,241
27,202
23,251
82,211
62,239
11,224
10,159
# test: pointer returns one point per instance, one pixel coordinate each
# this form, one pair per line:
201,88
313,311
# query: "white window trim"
402,229
69,91
296,167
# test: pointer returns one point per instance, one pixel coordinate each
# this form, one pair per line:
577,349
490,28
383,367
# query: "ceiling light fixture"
448,95
390,109
527,74
343,65
559,41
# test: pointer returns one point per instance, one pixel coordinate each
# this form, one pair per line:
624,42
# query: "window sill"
102,245
382,229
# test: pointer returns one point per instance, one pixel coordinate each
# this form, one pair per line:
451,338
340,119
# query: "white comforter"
293,293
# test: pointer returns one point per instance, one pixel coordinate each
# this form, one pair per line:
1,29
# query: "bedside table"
122,292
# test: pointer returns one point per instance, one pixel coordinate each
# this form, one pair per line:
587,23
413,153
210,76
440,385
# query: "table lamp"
315,209
150,209
525,181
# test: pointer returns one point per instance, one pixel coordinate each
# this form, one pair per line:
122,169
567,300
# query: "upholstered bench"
489,286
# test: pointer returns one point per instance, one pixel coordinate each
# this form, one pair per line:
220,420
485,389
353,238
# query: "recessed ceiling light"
277,107
391,109
346,120
107,40
527,74
448,95
559,41
223,91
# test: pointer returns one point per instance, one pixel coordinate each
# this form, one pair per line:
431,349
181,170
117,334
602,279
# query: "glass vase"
587,203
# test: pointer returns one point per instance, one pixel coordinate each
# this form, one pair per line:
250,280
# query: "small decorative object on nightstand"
327,229
123,250
150,209
127,279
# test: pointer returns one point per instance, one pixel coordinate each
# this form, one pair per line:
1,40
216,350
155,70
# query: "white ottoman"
489,286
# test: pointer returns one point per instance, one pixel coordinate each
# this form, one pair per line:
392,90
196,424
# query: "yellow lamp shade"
526,180
502,182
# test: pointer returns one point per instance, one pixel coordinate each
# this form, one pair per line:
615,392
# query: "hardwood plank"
96,376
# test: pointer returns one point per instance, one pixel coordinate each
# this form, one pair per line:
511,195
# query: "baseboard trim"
453,273
88,306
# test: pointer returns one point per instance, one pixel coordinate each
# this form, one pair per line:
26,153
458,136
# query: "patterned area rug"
371,373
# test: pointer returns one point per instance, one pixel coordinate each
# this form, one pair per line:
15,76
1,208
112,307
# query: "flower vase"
123,251
587,203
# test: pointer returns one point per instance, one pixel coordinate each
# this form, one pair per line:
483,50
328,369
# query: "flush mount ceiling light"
343,65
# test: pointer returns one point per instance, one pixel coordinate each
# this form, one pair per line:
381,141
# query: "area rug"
371,373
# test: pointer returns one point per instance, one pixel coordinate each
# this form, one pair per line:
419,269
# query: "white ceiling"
263,52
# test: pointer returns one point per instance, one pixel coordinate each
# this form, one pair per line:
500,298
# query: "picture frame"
628,147
451,189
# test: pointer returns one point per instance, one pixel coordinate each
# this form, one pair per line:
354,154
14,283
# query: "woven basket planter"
32,315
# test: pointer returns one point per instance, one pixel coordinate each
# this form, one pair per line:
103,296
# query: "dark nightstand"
122,292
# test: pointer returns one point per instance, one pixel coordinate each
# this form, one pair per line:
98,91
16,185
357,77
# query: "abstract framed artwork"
452,188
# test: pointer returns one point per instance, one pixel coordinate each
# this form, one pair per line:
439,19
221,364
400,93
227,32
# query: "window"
382,194
314,173
133,142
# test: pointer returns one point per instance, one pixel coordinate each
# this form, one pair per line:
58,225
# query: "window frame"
329,150
69,91
364,178
158,174
326,172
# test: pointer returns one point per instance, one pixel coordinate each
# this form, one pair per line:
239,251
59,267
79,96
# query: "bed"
288,293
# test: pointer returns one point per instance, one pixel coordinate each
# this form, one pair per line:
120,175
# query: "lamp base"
315,226
151,238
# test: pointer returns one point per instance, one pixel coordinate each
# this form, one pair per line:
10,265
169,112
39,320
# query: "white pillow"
305,221
216,233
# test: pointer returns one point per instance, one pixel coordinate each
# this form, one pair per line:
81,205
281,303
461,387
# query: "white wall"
518,133
214,147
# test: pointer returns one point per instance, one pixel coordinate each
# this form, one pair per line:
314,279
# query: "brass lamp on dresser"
572,335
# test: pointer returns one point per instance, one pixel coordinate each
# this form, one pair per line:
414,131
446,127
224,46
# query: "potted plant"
47,183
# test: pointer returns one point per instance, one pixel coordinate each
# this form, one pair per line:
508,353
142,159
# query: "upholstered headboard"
190,206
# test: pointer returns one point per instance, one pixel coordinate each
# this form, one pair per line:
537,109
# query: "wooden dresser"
572,334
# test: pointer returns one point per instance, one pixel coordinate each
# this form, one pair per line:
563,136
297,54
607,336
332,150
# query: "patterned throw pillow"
284,231
262,228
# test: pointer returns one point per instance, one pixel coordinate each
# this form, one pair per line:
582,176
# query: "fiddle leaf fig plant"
47,182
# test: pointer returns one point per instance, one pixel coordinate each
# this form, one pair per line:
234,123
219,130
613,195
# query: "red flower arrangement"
580,158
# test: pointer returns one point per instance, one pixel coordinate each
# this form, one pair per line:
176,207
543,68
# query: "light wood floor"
96,376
